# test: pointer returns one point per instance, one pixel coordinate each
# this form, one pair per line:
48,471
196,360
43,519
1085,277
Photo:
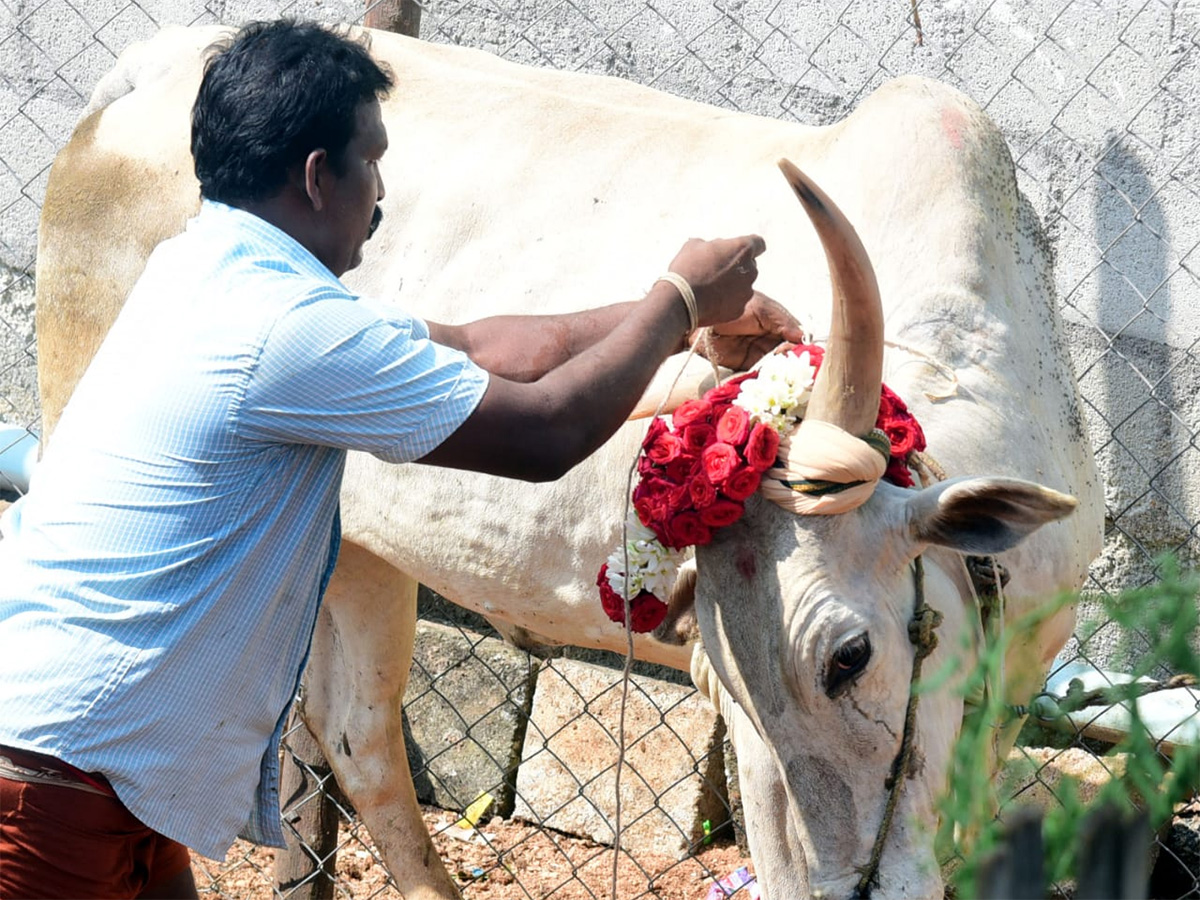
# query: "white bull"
514,189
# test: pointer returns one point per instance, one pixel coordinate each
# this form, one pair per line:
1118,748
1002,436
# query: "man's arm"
525,348
536,428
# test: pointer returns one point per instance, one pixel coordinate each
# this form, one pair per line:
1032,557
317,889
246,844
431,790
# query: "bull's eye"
849,660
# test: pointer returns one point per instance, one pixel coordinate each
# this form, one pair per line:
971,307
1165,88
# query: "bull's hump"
174,52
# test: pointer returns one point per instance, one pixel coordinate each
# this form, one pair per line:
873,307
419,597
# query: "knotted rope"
924,639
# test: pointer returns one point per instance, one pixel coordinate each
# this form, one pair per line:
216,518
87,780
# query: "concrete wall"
1099,101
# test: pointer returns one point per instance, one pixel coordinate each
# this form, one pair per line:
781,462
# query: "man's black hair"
270,96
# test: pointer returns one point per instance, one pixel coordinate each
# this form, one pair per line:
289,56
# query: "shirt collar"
217,215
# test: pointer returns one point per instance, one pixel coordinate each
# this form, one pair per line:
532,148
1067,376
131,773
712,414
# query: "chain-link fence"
1100,103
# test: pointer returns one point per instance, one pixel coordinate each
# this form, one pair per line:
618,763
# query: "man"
162,577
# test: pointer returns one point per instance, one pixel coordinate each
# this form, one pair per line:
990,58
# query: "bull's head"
804,621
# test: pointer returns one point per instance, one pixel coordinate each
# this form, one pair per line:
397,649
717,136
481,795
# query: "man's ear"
314,177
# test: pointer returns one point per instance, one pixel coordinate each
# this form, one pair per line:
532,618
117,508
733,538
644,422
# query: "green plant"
1166,616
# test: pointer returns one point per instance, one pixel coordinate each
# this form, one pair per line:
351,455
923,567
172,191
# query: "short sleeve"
337,372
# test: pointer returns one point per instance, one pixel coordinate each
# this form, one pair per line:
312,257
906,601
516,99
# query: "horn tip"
801,185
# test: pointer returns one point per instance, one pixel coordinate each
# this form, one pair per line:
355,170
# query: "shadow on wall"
1147,494
1136,384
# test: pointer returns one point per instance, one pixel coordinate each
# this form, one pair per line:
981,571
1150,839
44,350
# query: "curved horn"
846,393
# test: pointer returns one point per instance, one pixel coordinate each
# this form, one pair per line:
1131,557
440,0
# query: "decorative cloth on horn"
823,470
698,466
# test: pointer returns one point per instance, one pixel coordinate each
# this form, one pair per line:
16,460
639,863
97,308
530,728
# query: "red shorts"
58,841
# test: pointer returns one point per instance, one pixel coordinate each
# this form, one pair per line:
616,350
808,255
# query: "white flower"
779,395
652,567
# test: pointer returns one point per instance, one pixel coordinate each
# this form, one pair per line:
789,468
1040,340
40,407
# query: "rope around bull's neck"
921,632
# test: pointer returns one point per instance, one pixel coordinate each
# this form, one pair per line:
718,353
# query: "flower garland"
696,472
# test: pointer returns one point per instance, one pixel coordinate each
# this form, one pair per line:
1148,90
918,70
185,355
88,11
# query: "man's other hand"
739,344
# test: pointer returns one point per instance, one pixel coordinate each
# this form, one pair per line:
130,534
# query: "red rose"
719,409
680,469
897,473
696,437
897,402
645,465
733,426
816,355
665,448
741,483
646,512
720,459
889,406
652,486
646,612
905,435
690,411
652,500
723,394
702,491
686,530
761,447
680,498
614,606
722,513
657,427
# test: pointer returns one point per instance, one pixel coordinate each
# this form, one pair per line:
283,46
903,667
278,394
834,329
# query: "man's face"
355,193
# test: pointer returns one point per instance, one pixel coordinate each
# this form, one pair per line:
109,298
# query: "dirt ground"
518,862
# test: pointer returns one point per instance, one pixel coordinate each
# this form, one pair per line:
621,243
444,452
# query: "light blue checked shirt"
160,580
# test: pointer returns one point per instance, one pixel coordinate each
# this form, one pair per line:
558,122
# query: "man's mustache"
376,218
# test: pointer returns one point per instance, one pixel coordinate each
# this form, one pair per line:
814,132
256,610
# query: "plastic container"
18,456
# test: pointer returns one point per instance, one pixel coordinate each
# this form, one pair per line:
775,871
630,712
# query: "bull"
522,190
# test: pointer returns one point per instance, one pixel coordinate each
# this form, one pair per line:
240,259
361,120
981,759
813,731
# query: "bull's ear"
680,626
984,515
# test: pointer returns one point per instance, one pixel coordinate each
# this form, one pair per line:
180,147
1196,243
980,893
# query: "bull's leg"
353,688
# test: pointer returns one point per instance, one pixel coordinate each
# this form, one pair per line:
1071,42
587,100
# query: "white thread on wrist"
688,295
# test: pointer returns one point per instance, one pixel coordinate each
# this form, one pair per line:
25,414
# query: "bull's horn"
846,393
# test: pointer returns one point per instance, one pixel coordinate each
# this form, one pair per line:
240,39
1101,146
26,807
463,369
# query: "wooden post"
1114,855
306,870
400,16
1014,871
